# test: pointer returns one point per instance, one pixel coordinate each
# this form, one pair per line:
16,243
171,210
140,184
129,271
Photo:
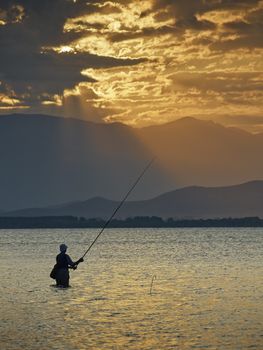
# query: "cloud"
138,62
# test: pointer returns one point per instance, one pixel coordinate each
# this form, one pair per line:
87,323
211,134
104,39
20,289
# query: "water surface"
206,292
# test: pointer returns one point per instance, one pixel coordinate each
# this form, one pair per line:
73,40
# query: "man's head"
63,248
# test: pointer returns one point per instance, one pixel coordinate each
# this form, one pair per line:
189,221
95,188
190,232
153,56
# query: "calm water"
206,294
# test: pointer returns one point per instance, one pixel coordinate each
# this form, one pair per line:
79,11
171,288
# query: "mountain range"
192,202
47,160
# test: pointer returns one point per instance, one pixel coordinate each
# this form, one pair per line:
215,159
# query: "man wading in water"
64,262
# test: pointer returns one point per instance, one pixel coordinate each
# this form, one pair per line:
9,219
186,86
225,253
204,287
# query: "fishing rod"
119,205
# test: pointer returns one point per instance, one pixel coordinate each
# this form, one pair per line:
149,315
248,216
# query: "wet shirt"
64,261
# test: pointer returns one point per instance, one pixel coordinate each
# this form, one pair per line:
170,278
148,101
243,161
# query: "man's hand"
79,261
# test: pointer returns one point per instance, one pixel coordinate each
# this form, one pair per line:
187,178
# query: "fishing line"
120,205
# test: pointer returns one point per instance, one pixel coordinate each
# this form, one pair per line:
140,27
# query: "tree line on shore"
133,222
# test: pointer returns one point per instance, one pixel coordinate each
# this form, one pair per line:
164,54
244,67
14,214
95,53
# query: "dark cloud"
183,9
49,71
185,12
246,42
195,24
44,20
3,89
30,70
249,33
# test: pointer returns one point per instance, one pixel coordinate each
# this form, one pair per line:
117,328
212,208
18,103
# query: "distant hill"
191,202
47,160
205,153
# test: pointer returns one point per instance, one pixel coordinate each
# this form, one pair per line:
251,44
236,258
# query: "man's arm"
71,263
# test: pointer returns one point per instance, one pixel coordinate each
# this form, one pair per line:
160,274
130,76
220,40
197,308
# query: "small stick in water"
154,277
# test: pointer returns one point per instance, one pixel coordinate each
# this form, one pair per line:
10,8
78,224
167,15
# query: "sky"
138,62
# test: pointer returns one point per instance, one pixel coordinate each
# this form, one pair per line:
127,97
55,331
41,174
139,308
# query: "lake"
137,289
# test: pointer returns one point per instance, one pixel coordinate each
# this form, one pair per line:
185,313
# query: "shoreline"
64,222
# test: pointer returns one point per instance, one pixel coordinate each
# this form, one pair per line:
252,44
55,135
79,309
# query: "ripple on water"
207,293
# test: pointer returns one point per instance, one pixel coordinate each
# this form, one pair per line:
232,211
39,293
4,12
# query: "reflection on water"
207,293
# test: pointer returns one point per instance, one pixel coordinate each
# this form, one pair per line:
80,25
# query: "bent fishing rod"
119,206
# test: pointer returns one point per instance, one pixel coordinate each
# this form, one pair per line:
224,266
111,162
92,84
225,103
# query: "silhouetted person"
64,262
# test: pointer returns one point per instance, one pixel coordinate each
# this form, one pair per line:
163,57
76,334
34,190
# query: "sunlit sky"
139,62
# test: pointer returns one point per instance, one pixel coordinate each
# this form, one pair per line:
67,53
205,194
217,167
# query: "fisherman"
64,262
